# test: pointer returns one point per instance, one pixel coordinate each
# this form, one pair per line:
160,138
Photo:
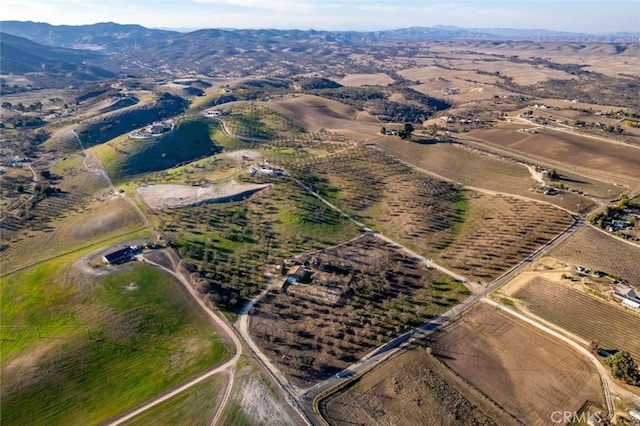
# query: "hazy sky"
569,15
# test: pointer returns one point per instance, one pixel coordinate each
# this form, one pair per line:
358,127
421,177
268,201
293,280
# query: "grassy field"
253,401
530,379
81,349
56,228
190,408
362,294
124,157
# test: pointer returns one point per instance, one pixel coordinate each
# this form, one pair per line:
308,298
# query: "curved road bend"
292,391
379,355
228,365
602,371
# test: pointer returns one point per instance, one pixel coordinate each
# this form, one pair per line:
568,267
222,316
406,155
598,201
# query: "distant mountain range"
93,37
111,36
109,49
19,55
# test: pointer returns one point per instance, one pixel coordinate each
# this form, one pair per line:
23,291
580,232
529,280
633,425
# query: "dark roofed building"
120,256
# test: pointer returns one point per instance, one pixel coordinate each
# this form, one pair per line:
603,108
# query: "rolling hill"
19,55
124,157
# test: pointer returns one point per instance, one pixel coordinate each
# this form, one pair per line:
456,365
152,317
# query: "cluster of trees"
405,133
37,106
612,212
24,121
624,368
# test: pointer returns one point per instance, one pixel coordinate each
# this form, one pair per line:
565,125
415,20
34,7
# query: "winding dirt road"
227,366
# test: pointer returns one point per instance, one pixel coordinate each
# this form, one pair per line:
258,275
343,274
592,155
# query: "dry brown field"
362,294
315,113
359,80
413,388
592,319
479,235
589,54
596,250
499,233
576,150
480,170
527,373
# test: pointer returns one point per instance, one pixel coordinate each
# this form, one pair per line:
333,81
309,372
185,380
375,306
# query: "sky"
588,16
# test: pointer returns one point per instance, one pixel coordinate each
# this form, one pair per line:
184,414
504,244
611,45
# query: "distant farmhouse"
121,256
212,113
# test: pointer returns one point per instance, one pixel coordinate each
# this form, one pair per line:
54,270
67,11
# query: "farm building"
630,297
120,256
298,274
212,113
635,413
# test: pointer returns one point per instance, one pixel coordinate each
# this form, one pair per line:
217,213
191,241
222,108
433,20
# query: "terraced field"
418,210
592,319
500,232
596,250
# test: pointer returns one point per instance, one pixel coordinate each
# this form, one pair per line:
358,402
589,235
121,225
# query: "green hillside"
114,124
124,157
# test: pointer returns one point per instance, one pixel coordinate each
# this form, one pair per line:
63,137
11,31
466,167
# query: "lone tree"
406,131
623,367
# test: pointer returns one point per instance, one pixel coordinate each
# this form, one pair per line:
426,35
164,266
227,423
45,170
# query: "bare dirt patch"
244,155
530,379
359,80
413,388
580,151
173,196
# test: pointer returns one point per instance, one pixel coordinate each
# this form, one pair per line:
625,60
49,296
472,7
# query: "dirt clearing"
413,388
359,80
577,150
525,372
173,196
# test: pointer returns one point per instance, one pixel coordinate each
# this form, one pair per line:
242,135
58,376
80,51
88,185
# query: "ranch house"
630,297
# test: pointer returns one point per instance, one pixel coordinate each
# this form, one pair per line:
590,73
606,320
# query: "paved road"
312,395
305,399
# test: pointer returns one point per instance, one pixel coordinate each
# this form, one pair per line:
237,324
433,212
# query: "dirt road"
607,383
228,366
